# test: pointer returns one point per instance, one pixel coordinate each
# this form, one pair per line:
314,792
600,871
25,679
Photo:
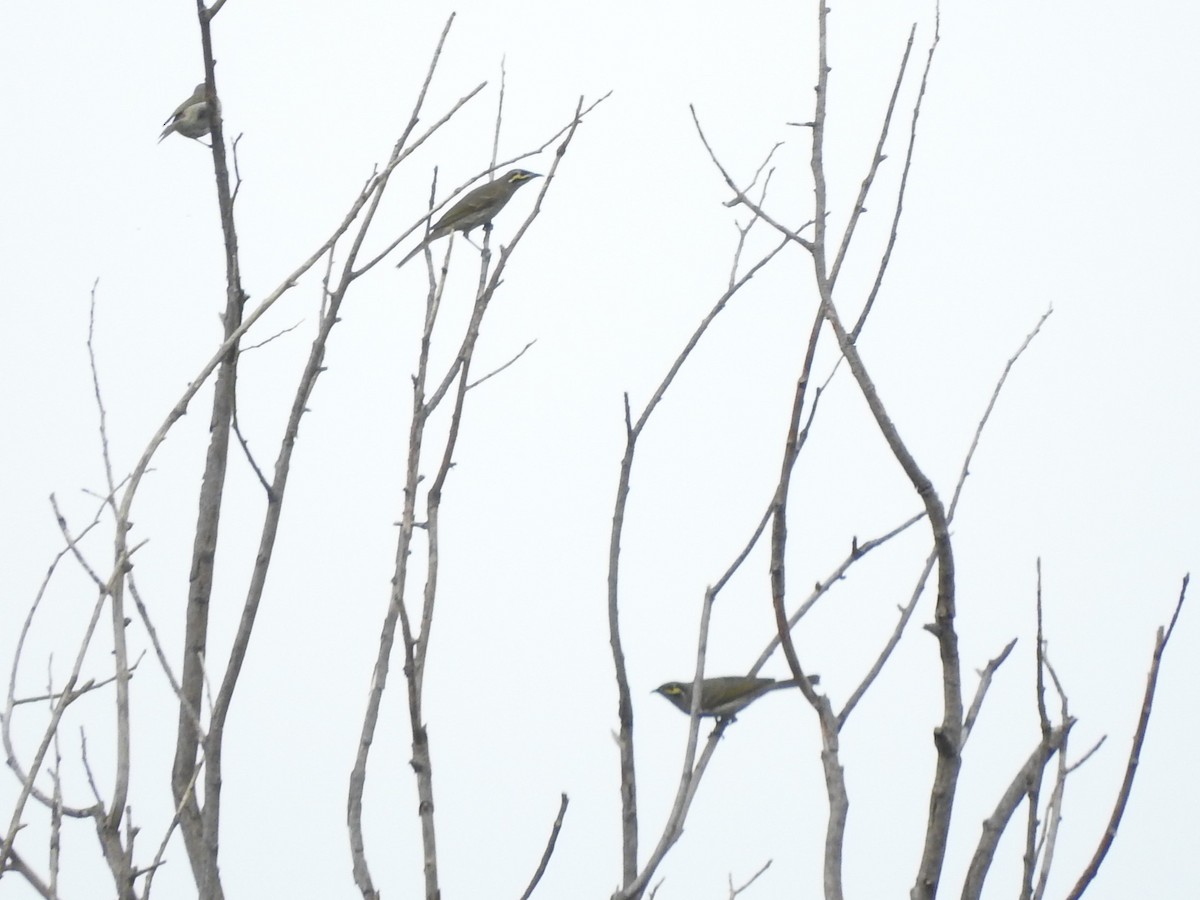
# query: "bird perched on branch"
191,117
477,207
725,696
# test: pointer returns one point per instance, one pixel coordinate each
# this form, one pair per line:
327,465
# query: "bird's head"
517,177
678,693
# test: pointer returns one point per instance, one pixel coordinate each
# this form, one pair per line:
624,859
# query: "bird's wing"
197,97
477,201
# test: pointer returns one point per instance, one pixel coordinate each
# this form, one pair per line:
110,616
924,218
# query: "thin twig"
857,552
1088,755
876,160
277,334
495,372
985,681
85,688
152,632
733,892
756,208
900,194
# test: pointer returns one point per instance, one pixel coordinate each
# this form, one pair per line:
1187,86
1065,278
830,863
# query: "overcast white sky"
1055,168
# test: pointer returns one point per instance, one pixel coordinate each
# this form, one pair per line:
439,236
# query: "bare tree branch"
1135,752
16,864
840,571
985,681
1088,755
756,208
876,160
495,372
26,777
1053,816
994,825
885,258
549,851
634,884
416,639
733,892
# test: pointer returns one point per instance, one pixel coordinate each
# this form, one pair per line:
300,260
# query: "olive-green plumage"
191,117
477,207
723,696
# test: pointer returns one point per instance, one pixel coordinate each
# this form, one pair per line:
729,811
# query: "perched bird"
191,117
723,696
477,207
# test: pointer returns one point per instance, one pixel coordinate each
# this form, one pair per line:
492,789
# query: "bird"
191,117
726,696
477,207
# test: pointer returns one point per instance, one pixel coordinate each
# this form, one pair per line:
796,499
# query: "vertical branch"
835,784
117,855
629,817
632,884
817,162
396,613
199,832
417,645
1034,788
416,639
56,809
947,736
689,779
1054,807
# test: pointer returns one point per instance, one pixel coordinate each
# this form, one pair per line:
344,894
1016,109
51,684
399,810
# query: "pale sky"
1053,169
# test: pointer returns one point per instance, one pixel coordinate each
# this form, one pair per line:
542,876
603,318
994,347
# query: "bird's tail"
813,680
411,253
